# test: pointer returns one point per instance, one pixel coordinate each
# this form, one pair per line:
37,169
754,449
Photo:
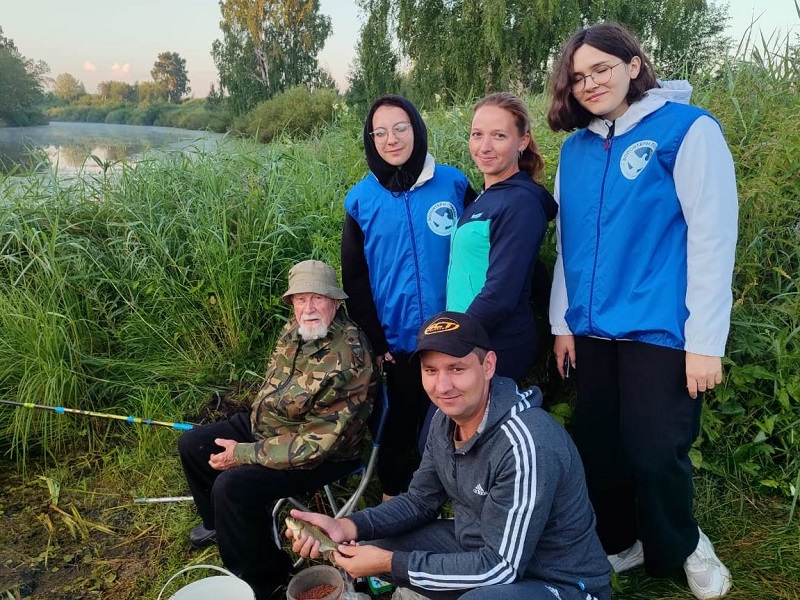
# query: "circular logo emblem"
636,157
442,218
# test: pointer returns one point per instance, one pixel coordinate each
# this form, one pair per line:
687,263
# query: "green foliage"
375,69
466,48
162,281
116,91
193,114
67,88
267,47
169,73
296,111
21,86
756,414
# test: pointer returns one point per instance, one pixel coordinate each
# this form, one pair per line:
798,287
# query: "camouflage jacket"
315,401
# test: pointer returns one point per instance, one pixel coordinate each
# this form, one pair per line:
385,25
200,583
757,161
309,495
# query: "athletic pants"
439,537
238,502
408,403
634,426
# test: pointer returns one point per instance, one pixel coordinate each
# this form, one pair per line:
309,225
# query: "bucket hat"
313,277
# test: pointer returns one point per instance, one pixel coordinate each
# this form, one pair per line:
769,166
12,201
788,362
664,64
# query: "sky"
101,40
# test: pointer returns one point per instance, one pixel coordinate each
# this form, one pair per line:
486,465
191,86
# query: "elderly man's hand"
224,460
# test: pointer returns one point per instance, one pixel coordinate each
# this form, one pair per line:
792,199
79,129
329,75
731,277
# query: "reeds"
143,289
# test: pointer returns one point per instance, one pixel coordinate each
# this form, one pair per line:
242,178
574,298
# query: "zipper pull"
610,135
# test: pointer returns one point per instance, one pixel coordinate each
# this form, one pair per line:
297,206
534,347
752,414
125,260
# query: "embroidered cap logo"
441,326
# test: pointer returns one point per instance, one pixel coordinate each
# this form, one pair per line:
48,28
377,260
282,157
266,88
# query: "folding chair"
380,409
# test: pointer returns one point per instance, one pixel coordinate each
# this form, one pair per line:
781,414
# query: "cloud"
88,66
118,68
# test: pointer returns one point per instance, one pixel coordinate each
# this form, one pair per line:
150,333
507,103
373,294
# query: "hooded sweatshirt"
518,495
492,257
647,227
396,238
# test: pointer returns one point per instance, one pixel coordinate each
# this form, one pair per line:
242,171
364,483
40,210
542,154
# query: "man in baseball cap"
523,526
304,431
453,333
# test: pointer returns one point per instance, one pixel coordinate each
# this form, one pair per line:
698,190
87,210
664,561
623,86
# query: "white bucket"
227,586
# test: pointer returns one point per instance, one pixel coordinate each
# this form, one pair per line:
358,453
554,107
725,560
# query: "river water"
91,147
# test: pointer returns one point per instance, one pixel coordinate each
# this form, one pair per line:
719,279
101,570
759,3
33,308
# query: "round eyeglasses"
599,75
400,130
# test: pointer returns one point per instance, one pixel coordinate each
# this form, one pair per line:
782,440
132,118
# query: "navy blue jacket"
492,257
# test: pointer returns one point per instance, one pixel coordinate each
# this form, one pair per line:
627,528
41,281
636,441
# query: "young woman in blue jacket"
641,295
395,247
496,244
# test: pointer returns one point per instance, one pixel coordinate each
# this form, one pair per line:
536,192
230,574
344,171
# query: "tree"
465,48
689,39
236,63
22,83
116,91
374,71
67,88
150,91
268,46
169,71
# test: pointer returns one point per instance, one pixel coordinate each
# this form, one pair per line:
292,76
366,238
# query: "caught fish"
299,527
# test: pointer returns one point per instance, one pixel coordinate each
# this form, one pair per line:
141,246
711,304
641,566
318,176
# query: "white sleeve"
705,181
558,291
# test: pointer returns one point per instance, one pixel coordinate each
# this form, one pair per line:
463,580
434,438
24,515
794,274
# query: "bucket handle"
191,568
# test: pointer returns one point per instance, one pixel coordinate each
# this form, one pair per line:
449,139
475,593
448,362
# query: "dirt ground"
64,551
88,541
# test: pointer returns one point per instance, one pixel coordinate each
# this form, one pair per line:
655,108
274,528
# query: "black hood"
397,179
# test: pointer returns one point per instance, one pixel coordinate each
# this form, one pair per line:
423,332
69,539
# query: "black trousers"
238,502
634,426
398,457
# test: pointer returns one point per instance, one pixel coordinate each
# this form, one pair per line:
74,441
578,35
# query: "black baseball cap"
453,333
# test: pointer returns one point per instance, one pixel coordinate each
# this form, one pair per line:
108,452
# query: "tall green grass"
164,279
144,289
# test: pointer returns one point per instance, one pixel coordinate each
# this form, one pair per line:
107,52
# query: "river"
91,147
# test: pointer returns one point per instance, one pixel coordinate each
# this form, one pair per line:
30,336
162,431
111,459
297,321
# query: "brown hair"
530,160
565,112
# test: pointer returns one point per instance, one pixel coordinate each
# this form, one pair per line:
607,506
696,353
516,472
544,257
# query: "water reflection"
69,146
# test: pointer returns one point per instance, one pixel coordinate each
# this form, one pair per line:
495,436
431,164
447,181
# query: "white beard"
310,332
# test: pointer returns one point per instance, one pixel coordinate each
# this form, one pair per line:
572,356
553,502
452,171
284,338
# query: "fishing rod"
90,413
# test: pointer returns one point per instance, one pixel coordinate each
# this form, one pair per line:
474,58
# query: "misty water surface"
69,147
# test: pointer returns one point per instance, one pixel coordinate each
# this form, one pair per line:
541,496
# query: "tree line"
23,81
429,50
436,49
170,84
461,49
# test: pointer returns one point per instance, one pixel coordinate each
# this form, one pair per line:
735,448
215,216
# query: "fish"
299,527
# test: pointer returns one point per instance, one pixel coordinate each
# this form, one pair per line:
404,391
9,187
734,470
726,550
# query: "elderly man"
303,431
523,529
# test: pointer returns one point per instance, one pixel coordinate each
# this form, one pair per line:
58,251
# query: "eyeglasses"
400,130
599,75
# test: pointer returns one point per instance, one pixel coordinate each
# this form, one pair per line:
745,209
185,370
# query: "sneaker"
627,559
708,578
200,537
